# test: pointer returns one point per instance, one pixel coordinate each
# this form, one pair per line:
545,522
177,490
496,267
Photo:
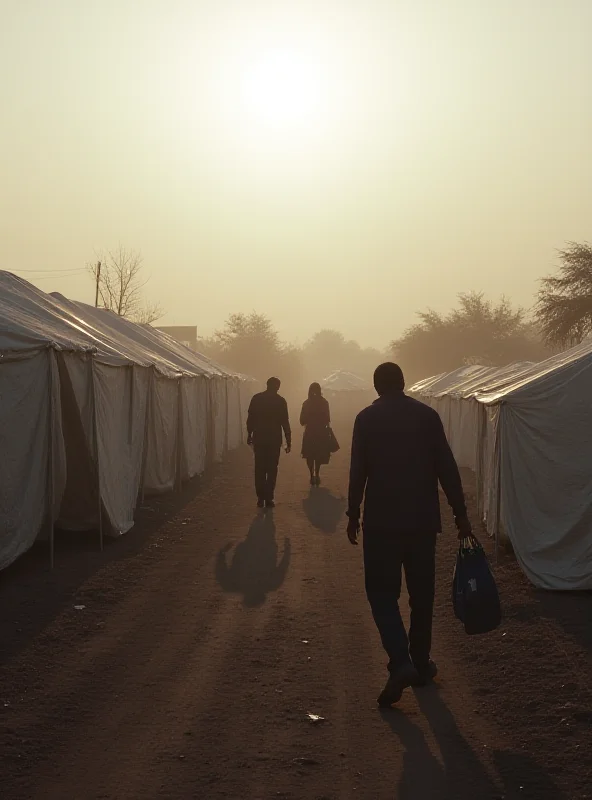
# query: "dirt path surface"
209,633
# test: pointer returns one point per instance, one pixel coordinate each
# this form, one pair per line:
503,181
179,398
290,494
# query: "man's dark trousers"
267,459
386,553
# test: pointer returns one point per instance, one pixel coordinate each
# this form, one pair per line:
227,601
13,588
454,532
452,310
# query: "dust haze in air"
368,180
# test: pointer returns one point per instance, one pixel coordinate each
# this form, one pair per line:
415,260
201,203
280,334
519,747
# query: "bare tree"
564,306
118,275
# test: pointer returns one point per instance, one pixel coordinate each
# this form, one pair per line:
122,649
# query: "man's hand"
464,527
353,529
288,449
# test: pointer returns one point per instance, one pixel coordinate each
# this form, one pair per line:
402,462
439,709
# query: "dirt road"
204,638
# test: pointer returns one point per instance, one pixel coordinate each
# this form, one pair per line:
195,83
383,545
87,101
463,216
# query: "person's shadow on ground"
422,775
324,510
460,776
254,570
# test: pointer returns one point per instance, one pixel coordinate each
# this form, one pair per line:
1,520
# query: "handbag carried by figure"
475,597
333,443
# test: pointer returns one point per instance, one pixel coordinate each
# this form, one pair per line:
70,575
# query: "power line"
42,271
49,278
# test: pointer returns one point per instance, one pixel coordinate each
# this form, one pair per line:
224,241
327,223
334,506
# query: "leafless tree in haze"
564,305
478,331
118,275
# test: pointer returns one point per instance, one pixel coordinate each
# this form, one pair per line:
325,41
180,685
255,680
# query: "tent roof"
476,384
438,384
512,383
539,377
342,381
31,320
478,381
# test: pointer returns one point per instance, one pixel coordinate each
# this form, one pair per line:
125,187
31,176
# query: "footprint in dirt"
254,570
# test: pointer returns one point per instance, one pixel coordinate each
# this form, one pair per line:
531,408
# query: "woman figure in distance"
316,419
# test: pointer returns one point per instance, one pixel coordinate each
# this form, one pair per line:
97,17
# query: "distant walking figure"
316,419
267,418
399,453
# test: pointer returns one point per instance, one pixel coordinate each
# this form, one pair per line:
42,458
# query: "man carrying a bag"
399,454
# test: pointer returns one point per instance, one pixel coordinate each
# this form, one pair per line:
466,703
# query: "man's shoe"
260,503
426,673
269,504
398,680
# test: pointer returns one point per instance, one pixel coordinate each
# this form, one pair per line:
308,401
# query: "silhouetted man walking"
267,418
399,453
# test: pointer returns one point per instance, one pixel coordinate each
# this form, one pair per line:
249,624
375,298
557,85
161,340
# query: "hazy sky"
329,163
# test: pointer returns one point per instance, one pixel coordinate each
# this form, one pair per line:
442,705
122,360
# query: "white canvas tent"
94,411
454,396
347,393
343,381
532,429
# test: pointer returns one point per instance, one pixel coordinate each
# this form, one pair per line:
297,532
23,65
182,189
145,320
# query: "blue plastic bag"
475,597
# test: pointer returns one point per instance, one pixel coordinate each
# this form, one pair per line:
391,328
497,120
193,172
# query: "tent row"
526,432
95,411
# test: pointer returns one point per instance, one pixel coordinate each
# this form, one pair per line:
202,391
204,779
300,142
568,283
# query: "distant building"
186,334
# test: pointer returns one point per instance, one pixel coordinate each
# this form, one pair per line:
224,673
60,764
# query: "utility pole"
98,281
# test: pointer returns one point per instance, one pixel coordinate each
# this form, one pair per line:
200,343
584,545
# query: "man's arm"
448,473
358,473
251,415
286,424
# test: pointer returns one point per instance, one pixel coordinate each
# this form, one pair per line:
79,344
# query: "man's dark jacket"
267,418
399,453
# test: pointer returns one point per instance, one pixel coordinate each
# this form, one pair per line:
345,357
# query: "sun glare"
283,90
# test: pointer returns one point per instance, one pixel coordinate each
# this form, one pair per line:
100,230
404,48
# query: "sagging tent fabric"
538,481
94,409
533,429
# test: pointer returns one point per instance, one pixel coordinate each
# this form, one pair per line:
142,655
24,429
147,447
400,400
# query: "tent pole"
209,424
241,388
50,475
498,499
178,479
227,417
146,423
96,442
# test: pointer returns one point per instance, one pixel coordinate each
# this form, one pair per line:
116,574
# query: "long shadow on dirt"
422,775
461,775
324,510
254,570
